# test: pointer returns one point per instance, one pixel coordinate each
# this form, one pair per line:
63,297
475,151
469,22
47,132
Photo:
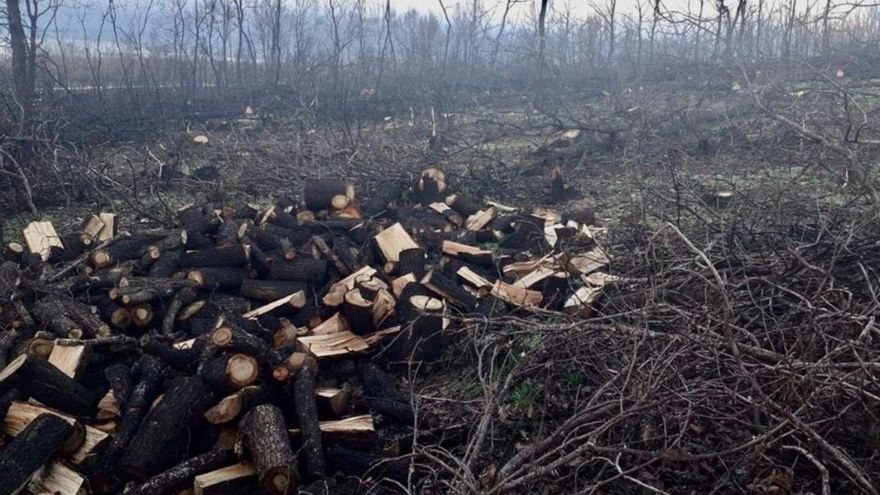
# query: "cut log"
233,255
467,253
445,287
420,338
354,430
473,278
290,302
49,385
222,278
269,290
229,480
305,405
268,442
412,260
383,307
588,262
304,270
319,194
462,204
68,359
232,407
358,312
335,401
113,313
229,337
330,345
580,303
430,186
480,219
382,396
334,324
51,312
293,363
448,213
158,443
393,240
227,374
399,283
517,296
30,450
21,414
41,238
58,479
178,476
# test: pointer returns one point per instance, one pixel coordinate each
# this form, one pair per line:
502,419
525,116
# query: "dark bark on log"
305,270
462,204
51,312
233,255
303,391
182,474
160,441
118,316
195,221
362,464
226,374
382,396
318,194
184,297
119,378
49,385
328,254
227,234
231,338
269,290
267,440
297,236
166,264
225,278
447,288
136,409
30,450
346,251
179,359
412,261
233,407
358,311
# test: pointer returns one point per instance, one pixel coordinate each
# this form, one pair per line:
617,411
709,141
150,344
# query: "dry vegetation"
735,347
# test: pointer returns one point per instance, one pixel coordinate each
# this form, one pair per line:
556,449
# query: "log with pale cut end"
339,201
421,338
30,450
393,240
227,374
222,278
56,478
182,474
231,337
335,323
14,252
282,307
235,479
335,401
353,431
306,407
334,344
232,407
121,251
265,437
358,311
20,415
112,312
319,194
293,363
51,312
462,204
68,359
161,440
49,385
142,315
469,254
430,186
515,295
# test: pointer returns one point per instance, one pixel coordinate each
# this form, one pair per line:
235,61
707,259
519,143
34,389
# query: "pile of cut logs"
246,349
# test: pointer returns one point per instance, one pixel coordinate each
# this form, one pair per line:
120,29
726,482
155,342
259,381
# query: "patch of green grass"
523,397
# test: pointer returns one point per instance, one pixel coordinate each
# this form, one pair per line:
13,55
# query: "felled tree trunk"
46,383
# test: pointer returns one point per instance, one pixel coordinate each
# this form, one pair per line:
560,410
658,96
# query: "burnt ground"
729,347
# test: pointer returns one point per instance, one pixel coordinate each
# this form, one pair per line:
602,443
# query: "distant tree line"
148,49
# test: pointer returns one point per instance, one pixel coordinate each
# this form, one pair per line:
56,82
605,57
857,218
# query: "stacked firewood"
247,349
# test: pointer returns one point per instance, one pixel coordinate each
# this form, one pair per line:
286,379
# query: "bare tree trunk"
23,89
542,21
